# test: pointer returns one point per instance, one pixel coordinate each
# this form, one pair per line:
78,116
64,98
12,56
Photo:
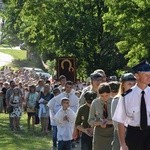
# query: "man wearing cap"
82,121
133,109
96,79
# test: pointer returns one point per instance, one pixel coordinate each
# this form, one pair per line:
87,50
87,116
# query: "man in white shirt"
74,100
129,112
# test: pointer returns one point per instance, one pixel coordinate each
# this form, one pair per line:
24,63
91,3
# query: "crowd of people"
96,113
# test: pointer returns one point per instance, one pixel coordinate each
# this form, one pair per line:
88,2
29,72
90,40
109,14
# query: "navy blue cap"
127,77
96,75
143,66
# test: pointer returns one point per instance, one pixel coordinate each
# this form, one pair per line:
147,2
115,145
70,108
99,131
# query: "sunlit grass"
16,54
24,139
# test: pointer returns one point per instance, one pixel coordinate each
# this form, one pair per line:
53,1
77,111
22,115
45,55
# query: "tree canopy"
130,21
99,33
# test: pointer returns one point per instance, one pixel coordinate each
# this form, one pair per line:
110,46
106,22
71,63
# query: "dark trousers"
137,139
86,142
54,135
64,145
10,122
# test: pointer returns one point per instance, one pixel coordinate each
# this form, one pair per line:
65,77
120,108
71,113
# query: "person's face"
96,82
105,96
143,77
113,94
128,84
46,88
63,81
6,85
32,90
41,83
13,84
68,88
65,104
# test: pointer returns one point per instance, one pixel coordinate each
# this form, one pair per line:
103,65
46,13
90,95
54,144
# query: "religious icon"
67,66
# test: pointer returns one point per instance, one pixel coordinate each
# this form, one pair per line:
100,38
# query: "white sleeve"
120,112
59,117
51,103
72,116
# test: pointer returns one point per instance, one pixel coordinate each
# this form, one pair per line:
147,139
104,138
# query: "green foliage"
66,28
51,67
130,22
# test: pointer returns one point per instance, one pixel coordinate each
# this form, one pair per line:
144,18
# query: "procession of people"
101,115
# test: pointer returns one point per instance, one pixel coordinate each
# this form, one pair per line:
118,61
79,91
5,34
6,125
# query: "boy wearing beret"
81,122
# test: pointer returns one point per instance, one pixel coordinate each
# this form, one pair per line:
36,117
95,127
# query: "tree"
66,28
129,22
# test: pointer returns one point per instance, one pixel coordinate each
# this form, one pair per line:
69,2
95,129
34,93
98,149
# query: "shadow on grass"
26,63
23,139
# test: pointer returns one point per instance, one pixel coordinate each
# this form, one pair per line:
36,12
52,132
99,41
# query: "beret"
90,95
95,75
127,77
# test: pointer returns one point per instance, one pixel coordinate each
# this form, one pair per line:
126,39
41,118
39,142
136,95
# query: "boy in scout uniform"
82,121
133,110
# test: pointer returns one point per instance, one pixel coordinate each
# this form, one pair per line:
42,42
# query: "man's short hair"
69,83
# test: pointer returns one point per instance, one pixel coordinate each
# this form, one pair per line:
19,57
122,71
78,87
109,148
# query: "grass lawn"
20,58
24,139
16,54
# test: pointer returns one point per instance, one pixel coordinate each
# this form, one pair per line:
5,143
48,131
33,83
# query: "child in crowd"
100,119
53,109
31,101
82,121
65,119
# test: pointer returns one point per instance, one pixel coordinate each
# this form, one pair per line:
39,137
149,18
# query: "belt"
108,126
138,128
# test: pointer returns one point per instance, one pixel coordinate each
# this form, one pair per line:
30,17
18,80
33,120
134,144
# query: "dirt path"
5,59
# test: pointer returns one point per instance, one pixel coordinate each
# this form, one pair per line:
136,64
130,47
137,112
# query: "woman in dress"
44,98
16,102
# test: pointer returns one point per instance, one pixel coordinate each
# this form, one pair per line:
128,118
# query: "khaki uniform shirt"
96,111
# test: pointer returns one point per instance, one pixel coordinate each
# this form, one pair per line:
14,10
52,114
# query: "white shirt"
53,109
73,99
65,128
128,108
